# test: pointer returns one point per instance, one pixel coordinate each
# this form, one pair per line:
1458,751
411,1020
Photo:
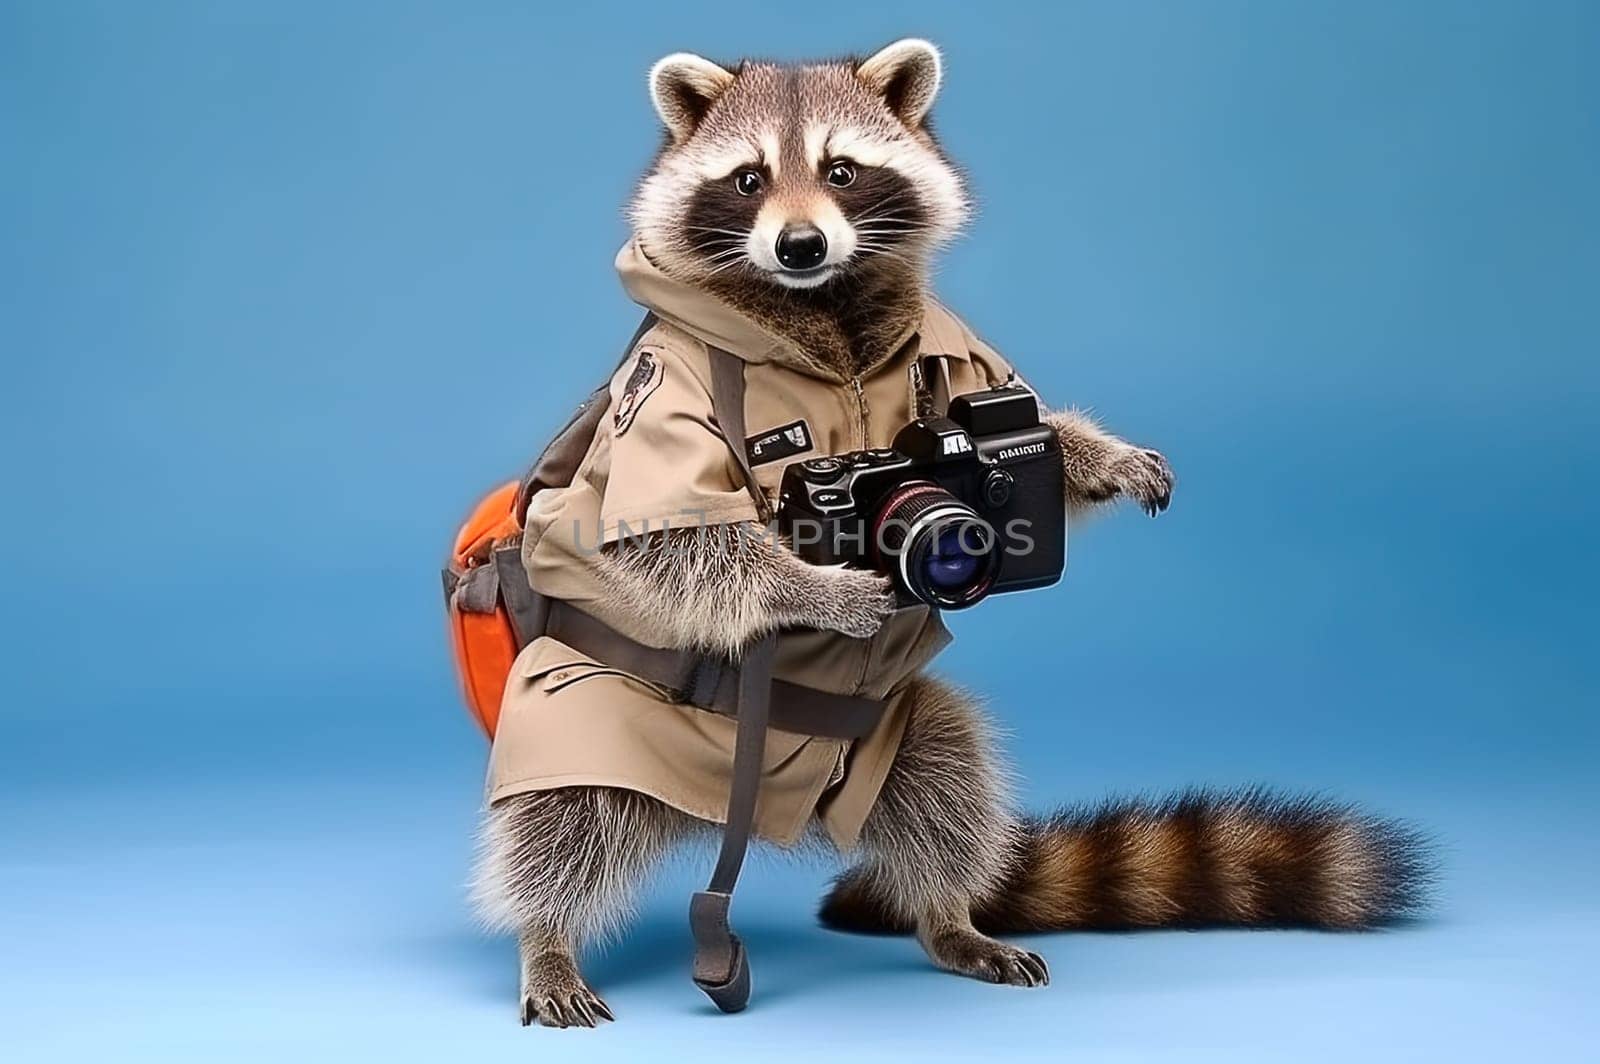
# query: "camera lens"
935,546
948,563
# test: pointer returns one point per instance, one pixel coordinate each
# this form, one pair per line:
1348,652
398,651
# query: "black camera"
960,507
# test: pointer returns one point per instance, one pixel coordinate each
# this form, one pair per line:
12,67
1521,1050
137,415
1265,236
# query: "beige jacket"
659,460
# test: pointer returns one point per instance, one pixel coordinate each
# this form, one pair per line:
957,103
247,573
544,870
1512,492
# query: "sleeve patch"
646,377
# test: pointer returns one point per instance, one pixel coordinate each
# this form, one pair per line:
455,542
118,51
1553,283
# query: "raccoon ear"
906,74
683,87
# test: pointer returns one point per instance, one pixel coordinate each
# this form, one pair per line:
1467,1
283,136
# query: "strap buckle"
721,967
705,678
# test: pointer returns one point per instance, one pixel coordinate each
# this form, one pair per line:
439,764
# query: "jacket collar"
719,324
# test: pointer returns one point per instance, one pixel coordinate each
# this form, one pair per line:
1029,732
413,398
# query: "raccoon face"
796,176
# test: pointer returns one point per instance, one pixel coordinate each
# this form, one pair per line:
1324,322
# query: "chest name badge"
642,383
781,442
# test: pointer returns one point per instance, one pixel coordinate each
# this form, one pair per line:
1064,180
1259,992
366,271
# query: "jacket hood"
694,310
719,324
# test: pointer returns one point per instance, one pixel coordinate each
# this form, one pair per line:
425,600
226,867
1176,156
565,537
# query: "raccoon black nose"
802,248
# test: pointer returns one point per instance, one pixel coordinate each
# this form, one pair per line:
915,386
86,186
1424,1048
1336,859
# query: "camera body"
961,507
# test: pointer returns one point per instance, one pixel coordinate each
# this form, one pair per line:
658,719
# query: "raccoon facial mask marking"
795,175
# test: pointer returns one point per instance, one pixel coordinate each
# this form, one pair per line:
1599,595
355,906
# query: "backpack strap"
708,681
559,461
505,580
727,406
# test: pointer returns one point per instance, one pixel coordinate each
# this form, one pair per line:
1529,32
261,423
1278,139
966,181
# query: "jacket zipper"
861,411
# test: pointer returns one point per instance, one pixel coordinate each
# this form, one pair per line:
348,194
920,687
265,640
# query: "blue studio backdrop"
284,286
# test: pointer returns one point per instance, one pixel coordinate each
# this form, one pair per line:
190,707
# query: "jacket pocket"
556,666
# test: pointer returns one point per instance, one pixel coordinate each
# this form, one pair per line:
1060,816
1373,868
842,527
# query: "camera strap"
721,965
727,408
930,380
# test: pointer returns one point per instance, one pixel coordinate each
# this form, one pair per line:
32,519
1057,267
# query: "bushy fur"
1251,858
562,868
720,587
567,862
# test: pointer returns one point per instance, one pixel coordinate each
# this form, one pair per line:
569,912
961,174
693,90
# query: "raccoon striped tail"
1199,859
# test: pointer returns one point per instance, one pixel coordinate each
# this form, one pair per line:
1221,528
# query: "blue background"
283,286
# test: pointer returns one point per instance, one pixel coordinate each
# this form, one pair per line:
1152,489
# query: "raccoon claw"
1020,969
581,1009
1146,477
994,962
1036,967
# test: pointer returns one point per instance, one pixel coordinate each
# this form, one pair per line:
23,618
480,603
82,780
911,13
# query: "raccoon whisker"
905,240
897,251
876,236
897,223
889,208
881,247
713,229
877,250
874,253
901,239
727,265
881,227
887,234
873,219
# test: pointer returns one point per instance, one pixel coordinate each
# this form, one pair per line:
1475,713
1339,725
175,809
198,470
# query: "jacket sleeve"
670,466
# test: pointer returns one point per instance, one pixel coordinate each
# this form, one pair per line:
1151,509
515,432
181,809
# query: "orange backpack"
482,639
491,611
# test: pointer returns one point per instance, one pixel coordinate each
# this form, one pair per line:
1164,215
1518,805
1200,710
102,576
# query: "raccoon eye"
747,182
841,173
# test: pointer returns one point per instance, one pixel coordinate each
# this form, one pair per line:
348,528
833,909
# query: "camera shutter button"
822,470
997,488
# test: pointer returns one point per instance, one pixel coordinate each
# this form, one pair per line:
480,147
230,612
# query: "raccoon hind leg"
561,868
941,839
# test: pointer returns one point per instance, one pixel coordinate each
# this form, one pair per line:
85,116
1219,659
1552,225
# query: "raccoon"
811,200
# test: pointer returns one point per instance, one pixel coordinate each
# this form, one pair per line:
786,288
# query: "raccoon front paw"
854,602
966,952
1137,473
